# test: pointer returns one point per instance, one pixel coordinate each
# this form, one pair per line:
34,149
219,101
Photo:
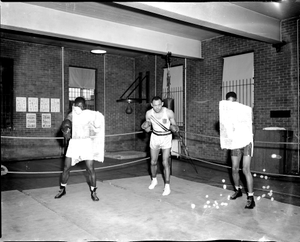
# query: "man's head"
231,96
79,105
157,104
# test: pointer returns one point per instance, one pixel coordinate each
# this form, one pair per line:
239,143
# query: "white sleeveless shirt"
161,125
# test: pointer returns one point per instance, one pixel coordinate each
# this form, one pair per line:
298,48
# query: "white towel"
88,137
235,125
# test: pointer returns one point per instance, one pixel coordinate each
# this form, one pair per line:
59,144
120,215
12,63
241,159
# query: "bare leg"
246,170
235,170
92,177
91,171
165,157
247,173
66,172
165,162
154,156
64,177
236,176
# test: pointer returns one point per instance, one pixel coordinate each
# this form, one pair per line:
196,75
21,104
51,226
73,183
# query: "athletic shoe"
250,202
94,195
167,191
153,184
61,192
236,194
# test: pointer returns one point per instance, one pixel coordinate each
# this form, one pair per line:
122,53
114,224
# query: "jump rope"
183,146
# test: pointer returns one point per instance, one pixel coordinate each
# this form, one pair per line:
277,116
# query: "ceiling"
131,14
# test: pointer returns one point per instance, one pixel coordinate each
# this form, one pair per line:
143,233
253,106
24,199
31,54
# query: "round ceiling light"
97,51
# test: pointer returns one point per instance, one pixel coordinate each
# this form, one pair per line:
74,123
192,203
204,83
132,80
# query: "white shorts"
160,141
79,150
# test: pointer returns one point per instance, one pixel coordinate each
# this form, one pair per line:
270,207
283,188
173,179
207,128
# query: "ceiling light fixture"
98,51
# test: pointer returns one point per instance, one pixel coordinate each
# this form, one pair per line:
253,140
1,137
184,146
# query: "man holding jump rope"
163,124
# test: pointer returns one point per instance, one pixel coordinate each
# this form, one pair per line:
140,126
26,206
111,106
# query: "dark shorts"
246,151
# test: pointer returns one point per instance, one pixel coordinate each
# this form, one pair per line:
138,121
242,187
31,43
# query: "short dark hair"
80,100
231,94
156,98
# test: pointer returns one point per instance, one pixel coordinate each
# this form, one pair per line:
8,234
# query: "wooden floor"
127,203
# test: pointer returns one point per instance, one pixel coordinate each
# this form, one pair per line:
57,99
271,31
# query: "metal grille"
177,94
244,90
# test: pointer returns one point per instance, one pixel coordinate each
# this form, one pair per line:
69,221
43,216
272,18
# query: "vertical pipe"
62,149
63,82
298,91
155,75
185,101
104,97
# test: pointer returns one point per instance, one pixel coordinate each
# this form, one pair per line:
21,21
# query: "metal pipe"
298,92
63,82
104,60
155,75
62,92
185,105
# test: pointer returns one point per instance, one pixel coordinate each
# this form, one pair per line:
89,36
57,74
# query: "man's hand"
174,128
146,126
94,128
67,133
66,128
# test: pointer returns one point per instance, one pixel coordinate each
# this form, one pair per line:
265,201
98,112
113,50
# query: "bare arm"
174,127
147,124
66,126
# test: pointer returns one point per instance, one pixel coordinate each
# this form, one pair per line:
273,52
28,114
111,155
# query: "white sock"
153,183
167,190
237,187
63,185
250,193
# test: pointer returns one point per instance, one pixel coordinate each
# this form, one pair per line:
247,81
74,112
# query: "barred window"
238,76
175,90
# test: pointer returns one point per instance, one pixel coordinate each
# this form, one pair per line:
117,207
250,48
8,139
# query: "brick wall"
38,74
275,88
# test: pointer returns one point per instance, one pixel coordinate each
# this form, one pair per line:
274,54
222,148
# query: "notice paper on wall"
44,105
21,104
33,104
30,120
55,105
46,120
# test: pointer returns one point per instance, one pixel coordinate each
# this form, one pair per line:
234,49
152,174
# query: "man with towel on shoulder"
86,130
